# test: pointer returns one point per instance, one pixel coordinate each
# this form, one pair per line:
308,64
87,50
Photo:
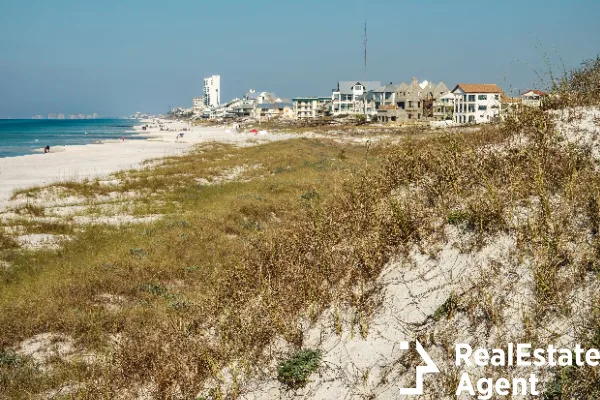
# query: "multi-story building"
418,99
385,96
198,106
272,110
212,91
310,107
476,103
415,101
350,97
443,107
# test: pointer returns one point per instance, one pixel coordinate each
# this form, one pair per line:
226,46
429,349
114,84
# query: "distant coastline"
27,136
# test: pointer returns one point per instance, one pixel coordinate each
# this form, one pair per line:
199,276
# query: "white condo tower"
212,91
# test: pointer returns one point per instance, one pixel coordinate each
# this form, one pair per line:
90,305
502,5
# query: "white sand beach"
96,160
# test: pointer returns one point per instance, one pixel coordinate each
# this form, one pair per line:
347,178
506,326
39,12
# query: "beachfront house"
476,103
415,101
532,98
350,96
443,107
271,110
385,96
310,107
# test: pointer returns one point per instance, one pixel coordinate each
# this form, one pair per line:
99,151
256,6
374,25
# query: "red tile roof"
478,88
506,99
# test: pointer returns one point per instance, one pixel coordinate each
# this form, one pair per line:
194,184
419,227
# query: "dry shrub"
581,87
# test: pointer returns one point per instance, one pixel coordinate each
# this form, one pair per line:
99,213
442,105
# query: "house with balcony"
443,107
418,99
533,98
476,103
350,97
414,101
310,107
272,110
385,96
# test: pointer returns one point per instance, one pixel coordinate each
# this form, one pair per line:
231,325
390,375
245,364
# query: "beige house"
414,101
310,107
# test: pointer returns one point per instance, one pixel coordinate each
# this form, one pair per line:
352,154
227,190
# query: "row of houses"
416,101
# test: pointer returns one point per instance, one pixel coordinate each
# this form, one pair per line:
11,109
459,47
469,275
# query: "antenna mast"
365,44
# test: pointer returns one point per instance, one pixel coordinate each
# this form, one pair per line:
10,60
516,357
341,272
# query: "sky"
118,57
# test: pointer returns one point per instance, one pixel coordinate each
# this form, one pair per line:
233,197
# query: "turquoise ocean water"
23,136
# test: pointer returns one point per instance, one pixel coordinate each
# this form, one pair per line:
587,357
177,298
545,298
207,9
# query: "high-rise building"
212,91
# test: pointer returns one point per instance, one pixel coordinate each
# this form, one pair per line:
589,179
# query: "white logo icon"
429,368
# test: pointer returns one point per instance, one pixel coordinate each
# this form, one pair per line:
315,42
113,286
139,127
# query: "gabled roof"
401,87
389,88
414,87
427,86
478,88
345,87
538,92
441,87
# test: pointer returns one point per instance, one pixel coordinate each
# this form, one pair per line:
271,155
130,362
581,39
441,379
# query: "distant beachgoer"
122,138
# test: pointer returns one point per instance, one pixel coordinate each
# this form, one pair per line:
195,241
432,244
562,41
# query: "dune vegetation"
248,241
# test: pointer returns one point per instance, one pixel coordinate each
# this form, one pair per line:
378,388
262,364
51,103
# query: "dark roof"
389,88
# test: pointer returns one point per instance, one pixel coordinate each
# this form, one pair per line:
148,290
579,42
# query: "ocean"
23,136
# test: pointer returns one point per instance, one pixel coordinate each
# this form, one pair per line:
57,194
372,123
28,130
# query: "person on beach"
47,149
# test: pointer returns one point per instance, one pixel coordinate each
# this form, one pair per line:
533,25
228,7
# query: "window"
482,108
497,97
482,97
471,97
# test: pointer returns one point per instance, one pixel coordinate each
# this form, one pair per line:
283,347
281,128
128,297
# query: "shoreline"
94,160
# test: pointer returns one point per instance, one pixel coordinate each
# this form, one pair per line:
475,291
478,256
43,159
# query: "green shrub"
447,309
295,371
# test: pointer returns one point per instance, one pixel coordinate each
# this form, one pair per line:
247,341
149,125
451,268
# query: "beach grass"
184,270
252,240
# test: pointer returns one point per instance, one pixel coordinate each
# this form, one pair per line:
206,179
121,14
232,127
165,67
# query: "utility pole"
365,91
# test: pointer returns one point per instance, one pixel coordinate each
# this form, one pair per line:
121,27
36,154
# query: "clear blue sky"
118,57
